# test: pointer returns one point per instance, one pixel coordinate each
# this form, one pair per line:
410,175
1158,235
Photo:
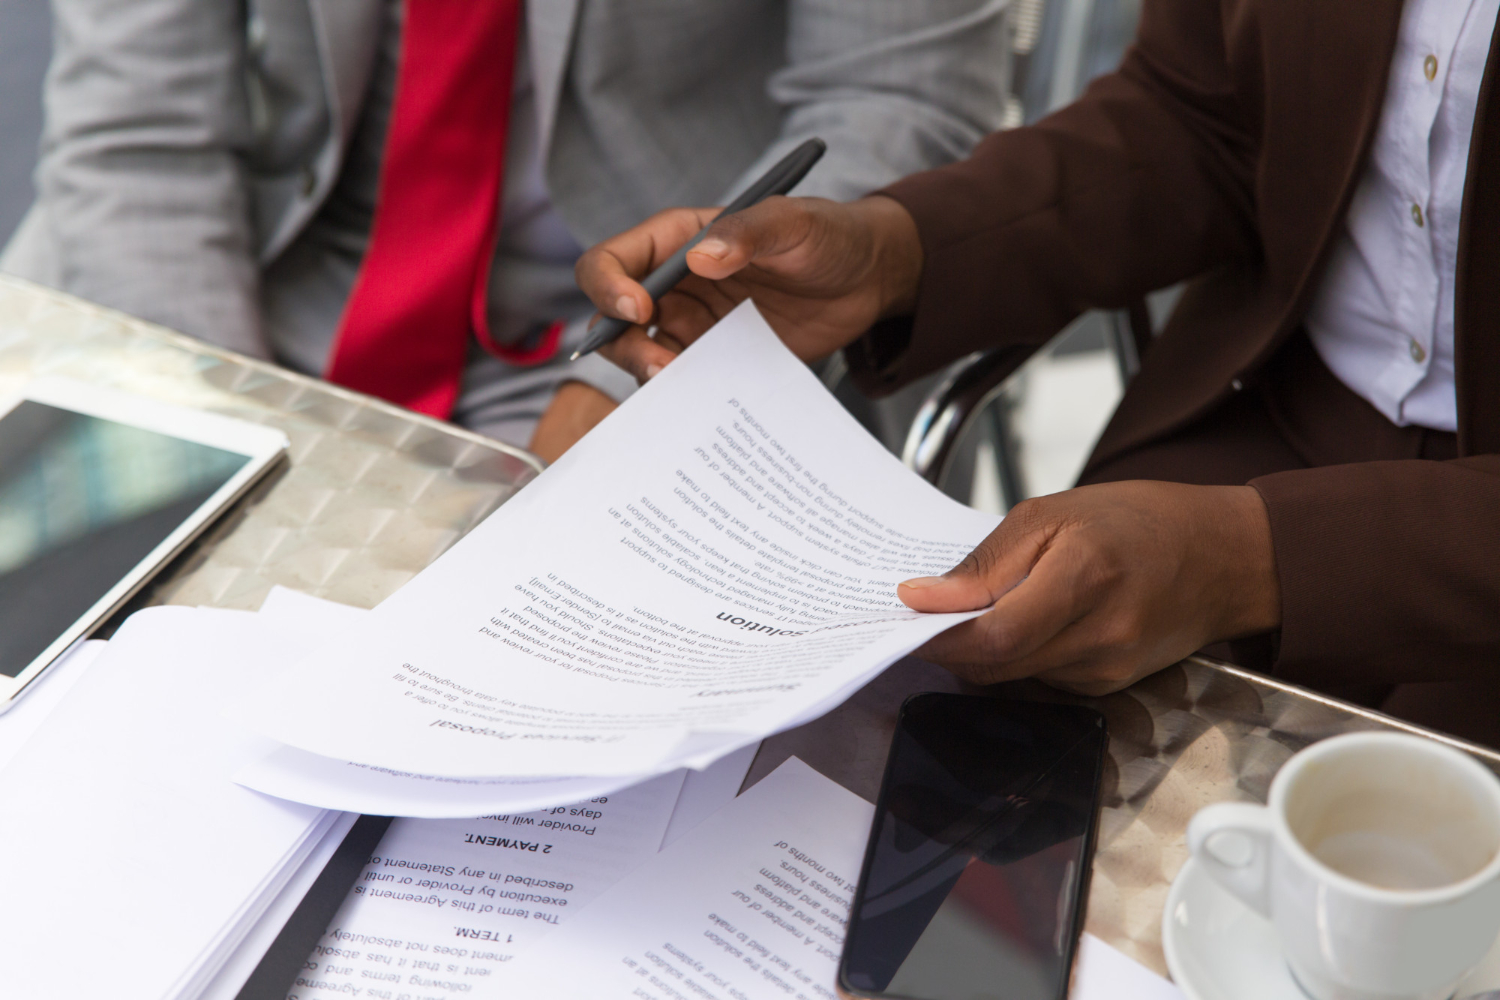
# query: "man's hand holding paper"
1089,589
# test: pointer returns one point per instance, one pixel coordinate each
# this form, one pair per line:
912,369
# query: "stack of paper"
21,722
118,810
716,562
134,865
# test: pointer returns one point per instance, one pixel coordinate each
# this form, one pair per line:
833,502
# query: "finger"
670,342
1079,656
638,354
1052,597
773,227
719,296
1057,661
609,273
992,569
684,315
1109,648
1090,682
1094,677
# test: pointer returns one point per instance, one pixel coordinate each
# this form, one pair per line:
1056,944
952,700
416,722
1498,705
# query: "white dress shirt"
1383,318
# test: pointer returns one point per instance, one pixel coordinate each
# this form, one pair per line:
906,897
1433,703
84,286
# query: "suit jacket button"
1236,384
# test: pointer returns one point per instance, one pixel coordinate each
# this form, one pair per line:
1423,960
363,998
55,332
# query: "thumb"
767,229
996,565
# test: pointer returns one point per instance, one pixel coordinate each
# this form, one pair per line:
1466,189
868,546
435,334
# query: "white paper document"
43,695
1102,972
713,563
446,904
289,773
230,976
122,830
750,905
707,791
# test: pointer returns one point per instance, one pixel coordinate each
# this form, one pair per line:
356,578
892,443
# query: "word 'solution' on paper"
714,561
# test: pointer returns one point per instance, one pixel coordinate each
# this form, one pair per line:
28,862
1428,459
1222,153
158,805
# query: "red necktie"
422,285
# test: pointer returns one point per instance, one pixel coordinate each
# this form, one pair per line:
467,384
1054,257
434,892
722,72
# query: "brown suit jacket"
1225,151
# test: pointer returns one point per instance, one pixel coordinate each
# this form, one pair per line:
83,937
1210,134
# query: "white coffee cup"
1377,860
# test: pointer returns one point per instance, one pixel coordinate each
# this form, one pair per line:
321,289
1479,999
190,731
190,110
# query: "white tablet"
98,490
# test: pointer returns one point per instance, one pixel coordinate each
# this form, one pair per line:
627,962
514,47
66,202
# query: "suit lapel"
1476,318
348,35
1309,78
549,25
1327,68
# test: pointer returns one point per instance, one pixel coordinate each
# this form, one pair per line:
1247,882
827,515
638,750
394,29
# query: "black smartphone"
977,869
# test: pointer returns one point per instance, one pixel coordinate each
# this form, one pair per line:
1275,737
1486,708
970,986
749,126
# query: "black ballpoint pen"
778,180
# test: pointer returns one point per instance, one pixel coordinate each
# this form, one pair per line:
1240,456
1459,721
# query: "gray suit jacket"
188,143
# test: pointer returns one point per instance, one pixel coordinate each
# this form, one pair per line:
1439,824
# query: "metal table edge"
201,347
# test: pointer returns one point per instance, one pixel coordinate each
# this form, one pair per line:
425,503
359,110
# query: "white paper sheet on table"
698,915
716,559
446,904
30,712
43,695
706,792
349,942
231,936
290,608
231,975
122,814
1102,972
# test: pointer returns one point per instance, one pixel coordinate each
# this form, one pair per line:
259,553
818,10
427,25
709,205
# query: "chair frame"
1051,60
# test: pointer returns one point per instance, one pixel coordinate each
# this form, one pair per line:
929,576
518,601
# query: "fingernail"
712,247
652,371
625,306
923,582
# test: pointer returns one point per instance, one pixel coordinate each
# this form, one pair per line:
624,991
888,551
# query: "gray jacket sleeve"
894,87
141,186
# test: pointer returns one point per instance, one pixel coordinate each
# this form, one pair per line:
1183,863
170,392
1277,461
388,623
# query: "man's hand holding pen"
1089,589
820,272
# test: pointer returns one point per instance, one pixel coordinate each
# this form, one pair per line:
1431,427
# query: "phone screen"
82,501
978,861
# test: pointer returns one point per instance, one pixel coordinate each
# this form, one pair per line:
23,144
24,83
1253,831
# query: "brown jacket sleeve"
1145,181
1390,571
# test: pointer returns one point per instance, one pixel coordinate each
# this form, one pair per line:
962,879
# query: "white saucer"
1217,948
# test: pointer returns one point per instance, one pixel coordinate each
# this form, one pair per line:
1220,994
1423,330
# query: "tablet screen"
82,501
